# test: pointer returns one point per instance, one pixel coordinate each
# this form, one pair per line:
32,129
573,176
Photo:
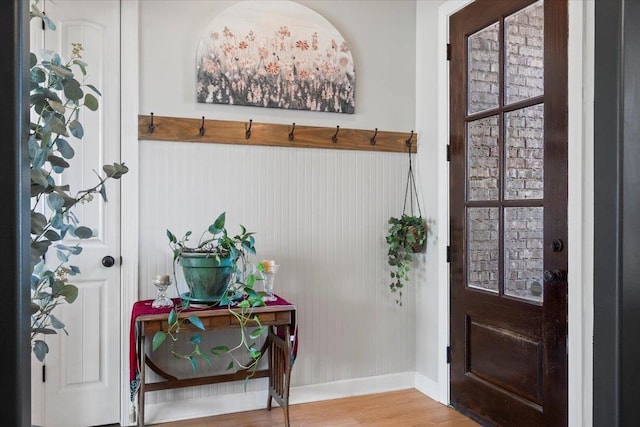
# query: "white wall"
430,347
322,214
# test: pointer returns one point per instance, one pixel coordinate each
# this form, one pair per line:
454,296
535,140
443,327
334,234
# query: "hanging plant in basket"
407,235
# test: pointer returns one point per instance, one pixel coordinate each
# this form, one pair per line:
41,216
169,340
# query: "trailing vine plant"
406,236
240,299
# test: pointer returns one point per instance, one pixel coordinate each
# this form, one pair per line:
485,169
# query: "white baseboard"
249,401
353,387
427,387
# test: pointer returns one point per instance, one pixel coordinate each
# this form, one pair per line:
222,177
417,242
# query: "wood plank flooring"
404,408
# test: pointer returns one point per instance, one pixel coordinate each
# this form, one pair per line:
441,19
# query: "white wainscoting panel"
322,215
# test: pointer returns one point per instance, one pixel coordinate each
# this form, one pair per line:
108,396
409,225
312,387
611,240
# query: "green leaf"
76,129
38,222
93,88
56,106
70,293
158,339
116,170
91,102
218,225
194,365
55,322
207,359
195,321
56,60
103,193
52,235
37,75
58,162
254,353
173,317
33,59
55,202
73,250
249,247
39,176
72,89
40,349
82,65
83,232
219,350
250,280
65,149
256,334
195,339
38,249
57,126
34,307
230,366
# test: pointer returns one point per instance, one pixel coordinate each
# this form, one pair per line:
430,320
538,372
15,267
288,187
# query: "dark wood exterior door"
508,202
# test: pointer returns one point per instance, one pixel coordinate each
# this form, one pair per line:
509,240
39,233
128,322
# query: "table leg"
142,367
279,371
287,374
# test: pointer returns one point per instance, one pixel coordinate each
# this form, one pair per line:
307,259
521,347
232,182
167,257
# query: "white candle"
162,278
268,265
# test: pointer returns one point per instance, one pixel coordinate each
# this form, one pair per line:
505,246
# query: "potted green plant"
407,235
209,264
218,271
57,95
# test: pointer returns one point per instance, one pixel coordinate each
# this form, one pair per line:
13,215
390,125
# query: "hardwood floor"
399,408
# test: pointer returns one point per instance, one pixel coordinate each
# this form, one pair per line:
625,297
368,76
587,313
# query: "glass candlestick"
269,273
162,282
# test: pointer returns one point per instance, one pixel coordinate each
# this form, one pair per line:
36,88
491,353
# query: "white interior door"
82,385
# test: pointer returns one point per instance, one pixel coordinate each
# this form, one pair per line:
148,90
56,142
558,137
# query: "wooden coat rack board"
248,133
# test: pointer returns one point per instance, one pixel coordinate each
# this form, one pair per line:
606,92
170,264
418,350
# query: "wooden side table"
279,316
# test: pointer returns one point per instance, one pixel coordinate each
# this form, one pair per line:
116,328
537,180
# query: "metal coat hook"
202,127
408,141
247,133
334,138
373,138
151,126
291,133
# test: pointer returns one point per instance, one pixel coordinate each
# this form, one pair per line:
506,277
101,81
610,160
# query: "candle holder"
269,273
162,300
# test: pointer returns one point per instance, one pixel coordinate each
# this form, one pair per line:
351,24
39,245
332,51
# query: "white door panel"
83,369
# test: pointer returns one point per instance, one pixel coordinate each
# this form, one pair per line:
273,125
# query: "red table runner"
144,307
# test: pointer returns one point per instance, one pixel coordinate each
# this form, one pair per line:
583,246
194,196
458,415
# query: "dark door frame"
616,349
15,393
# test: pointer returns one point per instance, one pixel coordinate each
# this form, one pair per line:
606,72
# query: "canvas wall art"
276,54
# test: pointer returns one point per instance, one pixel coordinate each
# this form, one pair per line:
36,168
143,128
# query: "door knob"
555,275
108,261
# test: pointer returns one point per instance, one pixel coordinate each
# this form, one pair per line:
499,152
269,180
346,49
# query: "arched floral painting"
276,54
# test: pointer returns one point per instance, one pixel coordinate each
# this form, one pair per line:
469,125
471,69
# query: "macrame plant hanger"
411,189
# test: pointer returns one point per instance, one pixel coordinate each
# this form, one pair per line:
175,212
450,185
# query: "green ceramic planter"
206,277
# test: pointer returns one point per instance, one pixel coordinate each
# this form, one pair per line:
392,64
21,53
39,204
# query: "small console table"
280,318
